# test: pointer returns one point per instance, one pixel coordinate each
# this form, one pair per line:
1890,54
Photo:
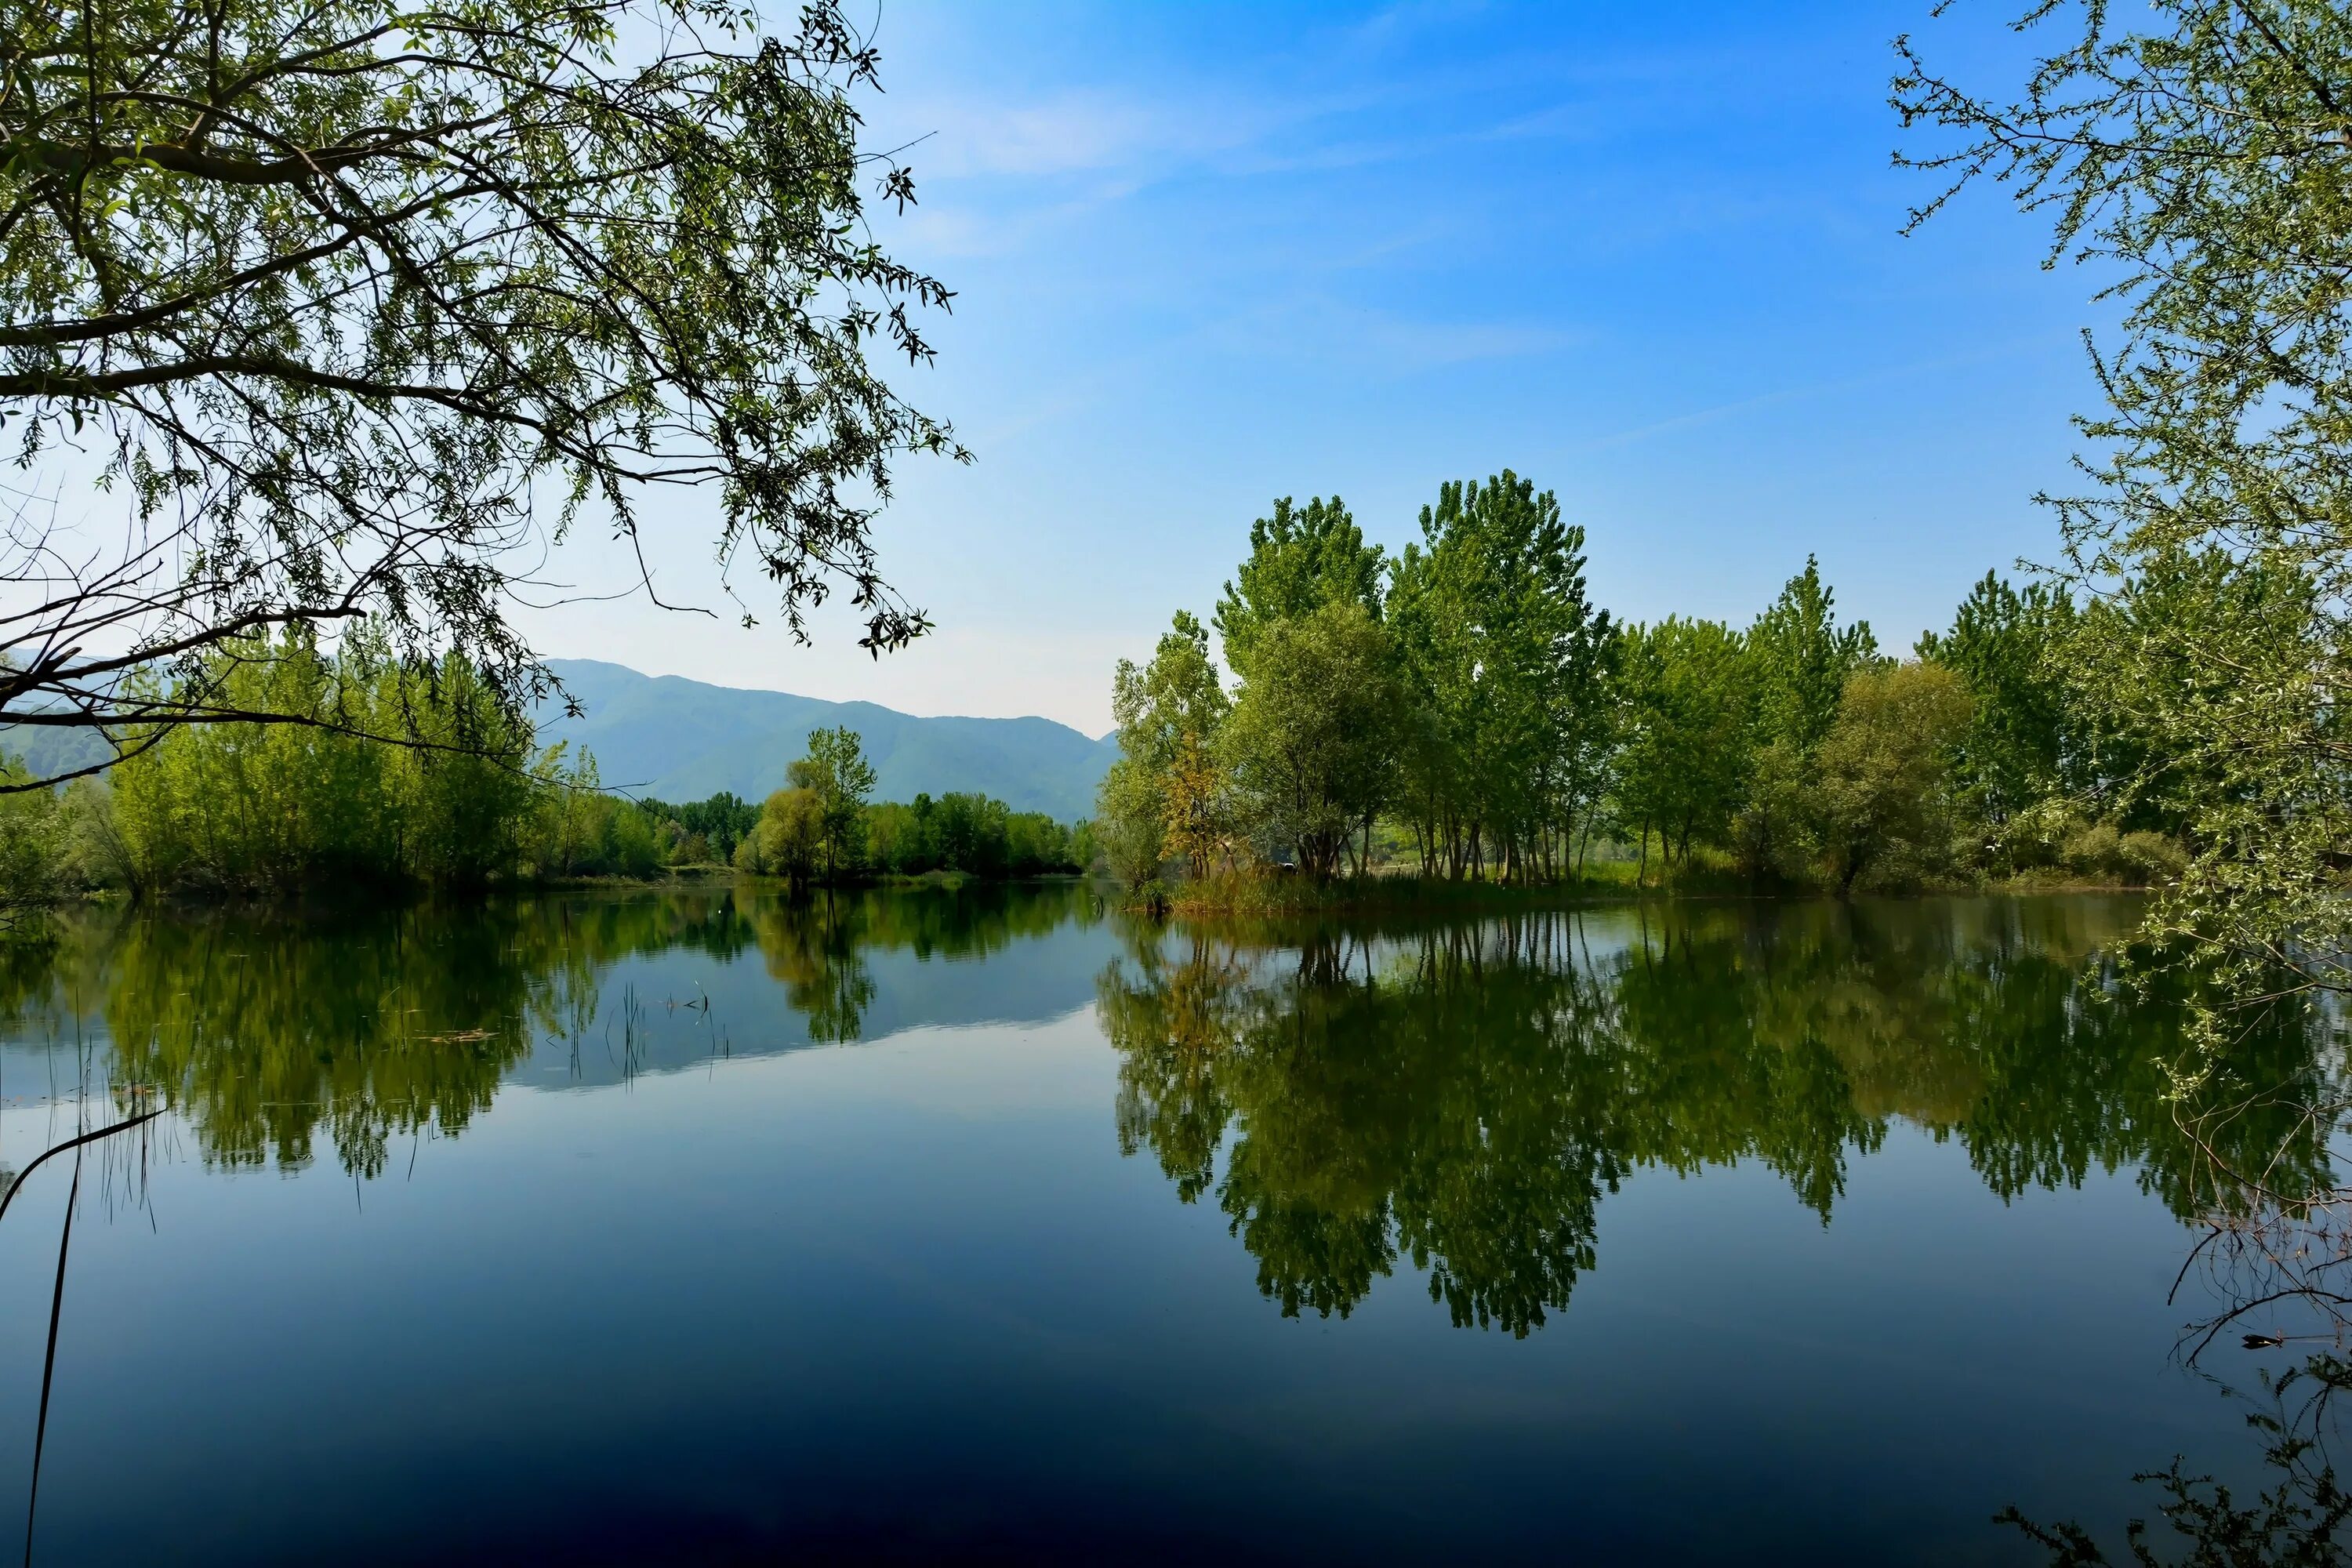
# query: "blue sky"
1648,256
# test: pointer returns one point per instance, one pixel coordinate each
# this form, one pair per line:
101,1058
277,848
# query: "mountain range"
680,740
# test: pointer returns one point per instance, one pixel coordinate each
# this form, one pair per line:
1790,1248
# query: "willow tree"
352,310
2198,153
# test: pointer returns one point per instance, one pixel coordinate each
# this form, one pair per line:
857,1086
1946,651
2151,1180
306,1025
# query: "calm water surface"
701,1227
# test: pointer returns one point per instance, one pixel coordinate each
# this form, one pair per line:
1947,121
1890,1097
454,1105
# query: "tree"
1196,807
31,834
1509,665
1131,823
255,807
1312,739
1177,694
1169,712
789,840
1688,732
339,296
2026,743
1801,660
1883,792
2200,154
1300,559
838,776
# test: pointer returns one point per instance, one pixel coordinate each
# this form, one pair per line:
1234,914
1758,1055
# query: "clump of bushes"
2137,859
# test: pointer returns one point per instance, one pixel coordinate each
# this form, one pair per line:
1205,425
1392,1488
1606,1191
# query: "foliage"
1196,807
789,840
708,830
1508,668
464,800
339,293
839,780
1313,736
972,834
1884,796
583,831
260,807
2199,153
1686,736
1131,820
1169,712
1300,559
2024,742
31,848
1177,694
1800,659
1482,717
2140,859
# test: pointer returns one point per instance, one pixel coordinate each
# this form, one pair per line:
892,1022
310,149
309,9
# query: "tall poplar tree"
1508,662
1300,559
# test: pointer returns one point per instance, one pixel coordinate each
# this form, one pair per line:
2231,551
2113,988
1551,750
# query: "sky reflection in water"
992,1222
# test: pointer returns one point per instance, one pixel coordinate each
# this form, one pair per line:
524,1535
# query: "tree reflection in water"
265,1028
1464,1095
1458,1096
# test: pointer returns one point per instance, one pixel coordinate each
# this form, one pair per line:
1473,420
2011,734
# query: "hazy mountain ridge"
683,740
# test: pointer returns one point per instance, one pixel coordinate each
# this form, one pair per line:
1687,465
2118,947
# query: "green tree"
1885,801
789,839
1508,664
2024,744
32,849
1312,738
836,774
1131,823
1799,661
1300,559
1169,708
1801,658
338,293
2199,152
1688,732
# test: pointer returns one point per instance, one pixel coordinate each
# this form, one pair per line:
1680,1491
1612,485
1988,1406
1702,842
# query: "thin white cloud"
1078,130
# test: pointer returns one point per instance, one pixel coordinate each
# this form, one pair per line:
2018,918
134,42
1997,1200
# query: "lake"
993,1225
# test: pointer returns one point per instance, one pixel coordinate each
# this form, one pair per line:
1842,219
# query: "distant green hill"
681,739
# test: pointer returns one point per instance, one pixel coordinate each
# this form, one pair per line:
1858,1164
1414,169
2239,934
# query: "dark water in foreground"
680,1227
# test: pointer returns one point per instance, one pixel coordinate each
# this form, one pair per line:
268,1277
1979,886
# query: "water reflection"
1455,1096
2297,1516
268,1030
1354,1101
1464,1095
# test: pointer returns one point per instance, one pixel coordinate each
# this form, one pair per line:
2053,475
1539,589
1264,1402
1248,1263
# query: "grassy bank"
1263,893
